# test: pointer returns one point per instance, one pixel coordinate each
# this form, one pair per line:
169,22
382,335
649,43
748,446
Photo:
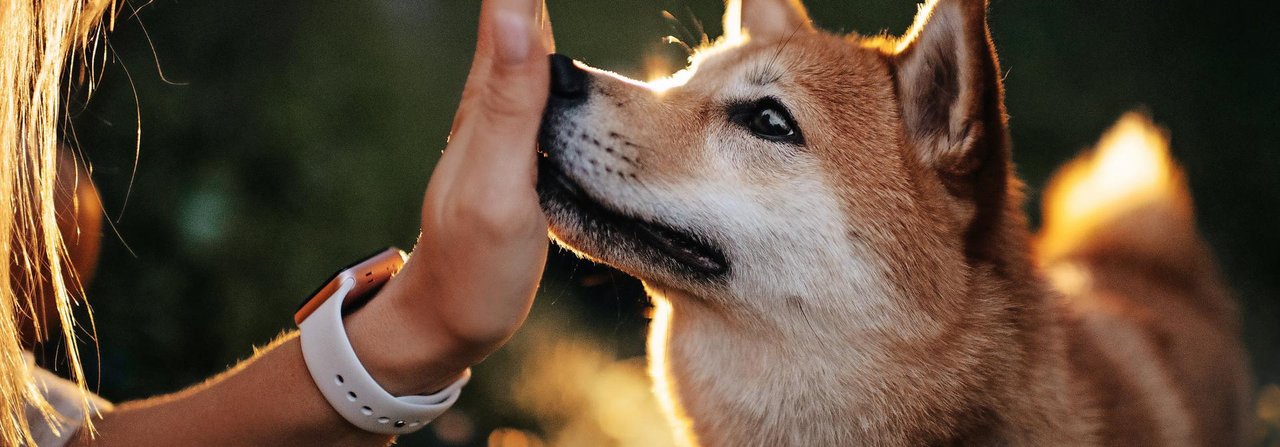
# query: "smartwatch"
333,364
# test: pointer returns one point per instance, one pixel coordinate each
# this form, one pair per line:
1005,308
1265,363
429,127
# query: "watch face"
369,275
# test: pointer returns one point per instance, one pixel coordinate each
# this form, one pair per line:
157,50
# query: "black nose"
568,81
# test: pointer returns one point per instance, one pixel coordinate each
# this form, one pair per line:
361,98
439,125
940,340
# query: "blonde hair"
42,43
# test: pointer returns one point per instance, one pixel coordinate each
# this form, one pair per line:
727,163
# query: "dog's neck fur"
997,374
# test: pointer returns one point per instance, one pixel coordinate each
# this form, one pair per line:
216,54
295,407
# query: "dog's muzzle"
569,82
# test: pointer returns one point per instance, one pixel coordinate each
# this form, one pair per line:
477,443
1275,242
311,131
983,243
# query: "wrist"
394,405
405,354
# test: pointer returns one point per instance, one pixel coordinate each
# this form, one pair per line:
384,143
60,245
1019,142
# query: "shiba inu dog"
832,233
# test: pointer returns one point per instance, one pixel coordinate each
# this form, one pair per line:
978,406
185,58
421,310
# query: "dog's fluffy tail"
1126,204
1119,241
1125,196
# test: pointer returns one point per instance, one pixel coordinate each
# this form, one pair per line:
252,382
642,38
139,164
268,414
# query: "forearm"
269,399
471,286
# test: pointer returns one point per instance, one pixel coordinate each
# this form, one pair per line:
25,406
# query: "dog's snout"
568,81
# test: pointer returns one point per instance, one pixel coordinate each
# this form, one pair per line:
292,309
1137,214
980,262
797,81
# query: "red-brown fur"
969,344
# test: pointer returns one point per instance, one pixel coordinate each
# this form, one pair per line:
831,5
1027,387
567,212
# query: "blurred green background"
283,139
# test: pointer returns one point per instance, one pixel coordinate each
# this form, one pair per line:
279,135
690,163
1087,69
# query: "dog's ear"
949,89
952,106
765,20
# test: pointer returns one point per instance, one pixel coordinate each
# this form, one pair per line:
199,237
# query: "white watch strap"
350,389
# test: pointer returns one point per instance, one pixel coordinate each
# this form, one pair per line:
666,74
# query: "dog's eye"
771,123
767,119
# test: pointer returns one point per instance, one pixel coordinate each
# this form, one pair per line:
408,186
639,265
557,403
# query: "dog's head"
786,163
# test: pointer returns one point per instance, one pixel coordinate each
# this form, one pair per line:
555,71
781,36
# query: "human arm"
465,290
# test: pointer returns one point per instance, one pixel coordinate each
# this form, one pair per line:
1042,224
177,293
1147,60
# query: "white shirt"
66,399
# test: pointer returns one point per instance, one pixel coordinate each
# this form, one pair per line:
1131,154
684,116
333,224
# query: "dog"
833,236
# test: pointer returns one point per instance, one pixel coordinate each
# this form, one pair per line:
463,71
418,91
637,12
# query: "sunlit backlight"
1072,279
454,427
658,75
733,22
659,371
1131,165
509,437
659,332
1269,406
582,395
1130,168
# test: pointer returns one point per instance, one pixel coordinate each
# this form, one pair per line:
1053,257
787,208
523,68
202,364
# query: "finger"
544,25
482,61
507,116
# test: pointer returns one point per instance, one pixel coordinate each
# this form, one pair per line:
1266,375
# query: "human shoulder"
68,403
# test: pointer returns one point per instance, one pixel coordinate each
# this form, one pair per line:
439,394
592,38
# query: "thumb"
509,111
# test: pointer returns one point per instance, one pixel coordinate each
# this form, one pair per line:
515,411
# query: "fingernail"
512,34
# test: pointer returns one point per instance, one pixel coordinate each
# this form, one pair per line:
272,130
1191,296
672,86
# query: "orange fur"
879,286
1156,332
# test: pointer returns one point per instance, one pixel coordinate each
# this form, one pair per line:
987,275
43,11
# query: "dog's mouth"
689,251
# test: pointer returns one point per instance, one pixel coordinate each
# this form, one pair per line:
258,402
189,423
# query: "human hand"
471,280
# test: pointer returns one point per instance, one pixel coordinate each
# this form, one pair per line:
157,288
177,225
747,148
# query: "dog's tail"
1125,197
1119,241
1126,204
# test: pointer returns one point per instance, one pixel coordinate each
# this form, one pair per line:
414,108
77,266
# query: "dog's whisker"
778,53
679,26
703,39
676,40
